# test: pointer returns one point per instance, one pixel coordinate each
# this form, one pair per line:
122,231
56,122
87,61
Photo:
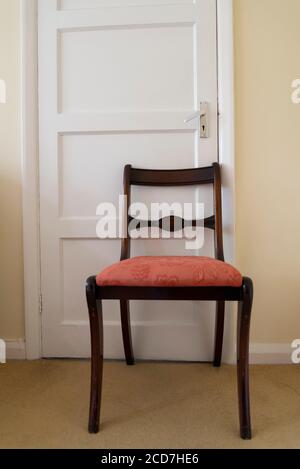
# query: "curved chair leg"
219,334
96,326
126,331
243,330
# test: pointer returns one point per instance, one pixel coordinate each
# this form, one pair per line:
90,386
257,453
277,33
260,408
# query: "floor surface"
44,404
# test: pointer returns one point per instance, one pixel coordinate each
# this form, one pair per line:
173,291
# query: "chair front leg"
219,334
96,327
243,332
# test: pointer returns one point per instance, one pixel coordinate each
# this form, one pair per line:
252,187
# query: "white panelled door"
117,79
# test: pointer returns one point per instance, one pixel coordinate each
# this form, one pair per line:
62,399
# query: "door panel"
92,63
82,188
116,81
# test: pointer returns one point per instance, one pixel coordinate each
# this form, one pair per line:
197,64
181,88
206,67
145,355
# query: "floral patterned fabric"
170,271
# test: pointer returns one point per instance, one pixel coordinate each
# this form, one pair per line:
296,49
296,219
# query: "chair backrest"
171,178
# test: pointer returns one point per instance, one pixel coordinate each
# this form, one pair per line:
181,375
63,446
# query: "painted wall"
267,35
11,258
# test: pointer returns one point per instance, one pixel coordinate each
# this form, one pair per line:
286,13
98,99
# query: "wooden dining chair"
192,278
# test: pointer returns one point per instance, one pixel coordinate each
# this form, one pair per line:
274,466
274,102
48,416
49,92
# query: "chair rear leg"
219,332
126,332
96,327
243,332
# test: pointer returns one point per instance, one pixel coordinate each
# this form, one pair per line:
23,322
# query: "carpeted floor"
44,404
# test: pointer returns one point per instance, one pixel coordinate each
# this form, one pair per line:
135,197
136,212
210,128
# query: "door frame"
30,165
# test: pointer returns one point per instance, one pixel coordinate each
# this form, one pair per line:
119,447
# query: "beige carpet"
44,404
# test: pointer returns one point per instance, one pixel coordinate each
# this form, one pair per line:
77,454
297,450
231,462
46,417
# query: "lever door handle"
202,115
193,116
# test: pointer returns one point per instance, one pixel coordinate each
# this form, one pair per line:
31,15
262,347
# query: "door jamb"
30,164
30,178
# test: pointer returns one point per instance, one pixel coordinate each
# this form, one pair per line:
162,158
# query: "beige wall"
267,38
267,35
11,268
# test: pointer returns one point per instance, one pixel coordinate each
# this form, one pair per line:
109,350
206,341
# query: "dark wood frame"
243,295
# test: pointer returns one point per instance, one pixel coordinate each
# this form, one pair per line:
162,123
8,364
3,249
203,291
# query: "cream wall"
267,38
11,267
267,35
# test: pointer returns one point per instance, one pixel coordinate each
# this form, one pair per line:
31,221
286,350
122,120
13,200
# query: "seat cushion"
170,271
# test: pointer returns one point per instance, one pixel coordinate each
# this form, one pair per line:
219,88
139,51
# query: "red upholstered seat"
170,271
